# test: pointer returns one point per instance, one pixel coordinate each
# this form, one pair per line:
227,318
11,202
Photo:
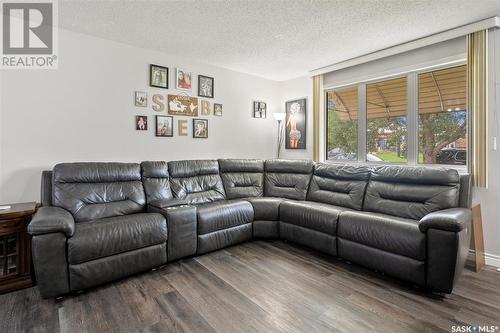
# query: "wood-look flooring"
258,287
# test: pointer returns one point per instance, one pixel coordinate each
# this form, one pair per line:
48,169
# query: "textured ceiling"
278,40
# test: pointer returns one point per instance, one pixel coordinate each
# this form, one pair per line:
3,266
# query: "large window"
342,118
417,118
386,104
442,115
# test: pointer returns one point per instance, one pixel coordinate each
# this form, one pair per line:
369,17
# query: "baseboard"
491,259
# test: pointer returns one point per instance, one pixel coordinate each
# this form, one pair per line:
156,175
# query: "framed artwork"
141,98
182,105
205,86
217,109
141,123
259,109
295,124
205,108
158,76
200,128
164,126
183,79
182,127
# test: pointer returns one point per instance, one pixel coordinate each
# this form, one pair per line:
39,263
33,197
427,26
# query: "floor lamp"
280,116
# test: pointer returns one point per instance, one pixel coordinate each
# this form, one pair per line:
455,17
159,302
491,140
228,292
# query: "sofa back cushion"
155,179
242,178
196,181
46,188
411,192
340,185
95,190
465,200
287,178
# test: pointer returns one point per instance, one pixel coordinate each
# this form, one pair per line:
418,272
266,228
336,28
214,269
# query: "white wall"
84,111
293,89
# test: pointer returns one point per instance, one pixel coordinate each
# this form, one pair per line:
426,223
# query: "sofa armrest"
182,229
164,204
453,219
49,220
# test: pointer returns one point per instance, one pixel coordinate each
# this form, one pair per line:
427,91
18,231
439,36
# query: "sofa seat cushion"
311,215
266,208
385,232
222,215
114,235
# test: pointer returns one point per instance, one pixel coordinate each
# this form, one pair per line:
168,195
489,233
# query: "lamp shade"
279,116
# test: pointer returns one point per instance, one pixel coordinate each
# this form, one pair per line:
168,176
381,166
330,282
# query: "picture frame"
164,126
205,86
205,108
200,128
218,109
141,99
183,79
259,109
141,123
296,123
158,76
182,105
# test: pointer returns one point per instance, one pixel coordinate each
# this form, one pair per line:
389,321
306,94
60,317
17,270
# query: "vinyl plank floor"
259,286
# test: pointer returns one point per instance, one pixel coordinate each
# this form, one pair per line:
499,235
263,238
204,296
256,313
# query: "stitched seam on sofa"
285,186
90,203
308,229
99,182
227,229
67,264
213,188
334,237
242,172
116,253
287,173
445,190
195,175
399,199
309,181
245,185
363,200
346,189
328,192
390,252
385,250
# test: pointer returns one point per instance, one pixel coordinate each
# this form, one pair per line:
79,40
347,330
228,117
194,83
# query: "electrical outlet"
495,143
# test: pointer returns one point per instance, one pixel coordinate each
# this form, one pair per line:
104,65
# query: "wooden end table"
15,247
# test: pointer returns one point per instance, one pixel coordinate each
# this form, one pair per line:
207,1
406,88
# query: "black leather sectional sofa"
103,221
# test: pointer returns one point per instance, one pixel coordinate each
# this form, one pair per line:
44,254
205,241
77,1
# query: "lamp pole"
280,116
280,136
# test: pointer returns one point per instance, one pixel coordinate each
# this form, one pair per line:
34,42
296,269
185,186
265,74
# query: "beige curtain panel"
317,90
476,80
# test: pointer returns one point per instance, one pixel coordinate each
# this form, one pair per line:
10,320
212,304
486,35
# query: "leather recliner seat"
103,221
95,229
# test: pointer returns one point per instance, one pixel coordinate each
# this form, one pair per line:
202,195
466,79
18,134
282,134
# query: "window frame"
412,117
325,92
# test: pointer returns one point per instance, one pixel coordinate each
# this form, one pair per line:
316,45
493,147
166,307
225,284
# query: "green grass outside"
390,156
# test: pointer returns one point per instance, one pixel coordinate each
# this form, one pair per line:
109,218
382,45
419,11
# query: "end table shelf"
15,247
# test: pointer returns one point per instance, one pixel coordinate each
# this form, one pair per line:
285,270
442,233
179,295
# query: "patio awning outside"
439,91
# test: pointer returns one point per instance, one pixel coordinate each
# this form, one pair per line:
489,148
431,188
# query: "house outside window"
415,118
